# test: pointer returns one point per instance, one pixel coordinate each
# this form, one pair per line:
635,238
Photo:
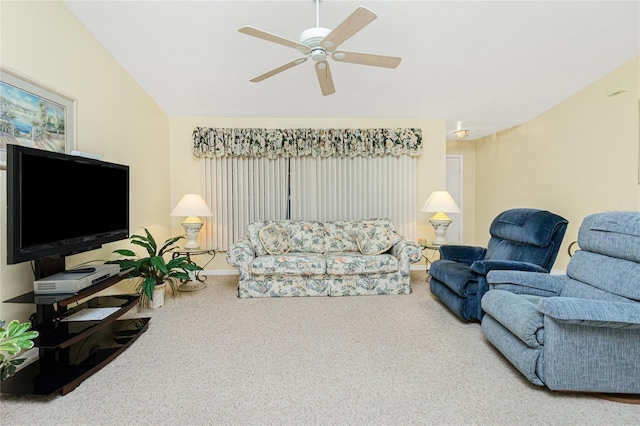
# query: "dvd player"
73,281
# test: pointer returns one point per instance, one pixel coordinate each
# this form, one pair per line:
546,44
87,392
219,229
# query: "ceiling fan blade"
359,19
366,59
324,78
253,31
278,70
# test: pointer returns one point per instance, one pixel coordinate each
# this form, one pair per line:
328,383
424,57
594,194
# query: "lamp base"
440,227
192,229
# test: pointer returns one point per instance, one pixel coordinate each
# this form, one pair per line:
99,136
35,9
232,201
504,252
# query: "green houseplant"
13,339
153,270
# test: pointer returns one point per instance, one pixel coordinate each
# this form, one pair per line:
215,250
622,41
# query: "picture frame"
34,115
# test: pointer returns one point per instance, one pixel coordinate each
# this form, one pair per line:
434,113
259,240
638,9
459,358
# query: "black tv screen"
60,204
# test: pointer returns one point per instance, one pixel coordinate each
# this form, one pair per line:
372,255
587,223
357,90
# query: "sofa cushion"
356,263
373,240
386,224
306,236
340,236
289,264
275,239
252,232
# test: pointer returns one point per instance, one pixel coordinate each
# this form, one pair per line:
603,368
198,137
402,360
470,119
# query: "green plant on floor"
13,339
153,270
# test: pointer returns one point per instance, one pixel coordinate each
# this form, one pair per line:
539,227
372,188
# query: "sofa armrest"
483,267
463,254
407,251
241,253
591,313
523,282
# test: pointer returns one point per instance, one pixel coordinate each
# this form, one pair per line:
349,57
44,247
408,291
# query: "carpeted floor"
211,358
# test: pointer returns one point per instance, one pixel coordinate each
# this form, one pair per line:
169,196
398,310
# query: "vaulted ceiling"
481,65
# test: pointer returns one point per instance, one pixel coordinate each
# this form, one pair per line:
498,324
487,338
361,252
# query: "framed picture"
34,116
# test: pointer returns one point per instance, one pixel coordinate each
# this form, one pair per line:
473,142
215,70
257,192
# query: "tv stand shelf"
71,351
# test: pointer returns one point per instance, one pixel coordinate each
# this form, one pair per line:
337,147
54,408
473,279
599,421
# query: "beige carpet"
210,358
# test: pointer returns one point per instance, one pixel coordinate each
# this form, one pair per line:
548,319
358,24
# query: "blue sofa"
521,239
579,331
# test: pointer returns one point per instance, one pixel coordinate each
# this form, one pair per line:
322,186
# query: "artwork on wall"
34,116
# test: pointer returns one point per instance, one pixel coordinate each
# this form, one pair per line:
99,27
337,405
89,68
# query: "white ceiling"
482,65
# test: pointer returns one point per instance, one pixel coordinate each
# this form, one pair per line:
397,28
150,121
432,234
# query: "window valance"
272,143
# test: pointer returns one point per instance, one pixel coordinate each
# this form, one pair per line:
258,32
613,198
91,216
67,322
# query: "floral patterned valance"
272,143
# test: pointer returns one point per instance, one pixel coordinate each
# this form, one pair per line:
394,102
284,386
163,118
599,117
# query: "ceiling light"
462,133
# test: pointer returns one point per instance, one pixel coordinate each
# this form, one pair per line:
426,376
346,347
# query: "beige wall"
578,158
115,118
185,171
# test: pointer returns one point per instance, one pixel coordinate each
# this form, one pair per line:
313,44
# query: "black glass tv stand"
71,351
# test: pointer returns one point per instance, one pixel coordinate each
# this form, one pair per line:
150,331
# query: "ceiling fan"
320,43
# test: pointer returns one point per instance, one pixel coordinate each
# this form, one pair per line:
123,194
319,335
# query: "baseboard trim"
220,272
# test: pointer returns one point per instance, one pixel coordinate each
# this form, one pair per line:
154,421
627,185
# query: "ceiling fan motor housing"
313,36
312,39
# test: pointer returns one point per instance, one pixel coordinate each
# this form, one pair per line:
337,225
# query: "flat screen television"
60,204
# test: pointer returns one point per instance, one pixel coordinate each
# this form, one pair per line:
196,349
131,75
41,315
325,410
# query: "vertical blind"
335,188
239,191
242,190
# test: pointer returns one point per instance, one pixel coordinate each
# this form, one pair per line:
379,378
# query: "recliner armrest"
589,312
483,267
523,282
464,254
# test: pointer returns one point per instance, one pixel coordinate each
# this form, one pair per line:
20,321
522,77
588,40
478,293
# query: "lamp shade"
191,205
440,201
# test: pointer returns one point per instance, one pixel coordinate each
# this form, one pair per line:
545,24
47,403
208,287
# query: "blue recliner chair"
579,331
521,240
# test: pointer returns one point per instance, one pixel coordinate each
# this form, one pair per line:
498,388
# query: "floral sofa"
308,258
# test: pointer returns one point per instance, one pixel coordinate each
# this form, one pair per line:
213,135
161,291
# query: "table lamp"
191,206
440,202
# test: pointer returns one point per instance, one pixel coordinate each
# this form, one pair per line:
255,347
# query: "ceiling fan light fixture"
461,133
339,56
318,54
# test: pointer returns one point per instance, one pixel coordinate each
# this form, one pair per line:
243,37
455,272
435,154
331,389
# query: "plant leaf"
125,252
180,276
147,287
166,247
159,263
152,242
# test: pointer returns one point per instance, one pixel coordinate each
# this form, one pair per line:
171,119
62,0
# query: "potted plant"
12,340
152,270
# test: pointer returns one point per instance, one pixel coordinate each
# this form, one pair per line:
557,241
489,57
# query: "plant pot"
158,296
